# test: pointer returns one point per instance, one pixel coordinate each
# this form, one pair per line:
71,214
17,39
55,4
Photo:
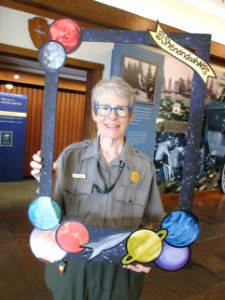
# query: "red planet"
70,235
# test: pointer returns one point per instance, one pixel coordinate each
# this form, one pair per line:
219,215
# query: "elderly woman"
104,182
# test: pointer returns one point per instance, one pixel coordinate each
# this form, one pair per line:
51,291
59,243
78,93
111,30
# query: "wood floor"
21,274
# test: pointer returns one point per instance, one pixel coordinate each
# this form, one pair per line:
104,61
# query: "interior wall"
17,34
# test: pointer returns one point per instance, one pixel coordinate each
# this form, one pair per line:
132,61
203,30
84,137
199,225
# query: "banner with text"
170,46
12,136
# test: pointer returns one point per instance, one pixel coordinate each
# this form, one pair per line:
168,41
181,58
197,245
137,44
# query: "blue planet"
183,228
44,213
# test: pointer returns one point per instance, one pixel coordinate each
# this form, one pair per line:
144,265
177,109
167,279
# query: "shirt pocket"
130,205
78,202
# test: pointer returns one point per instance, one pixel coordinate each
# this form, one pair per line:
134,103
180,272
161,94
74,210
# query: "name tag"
81,176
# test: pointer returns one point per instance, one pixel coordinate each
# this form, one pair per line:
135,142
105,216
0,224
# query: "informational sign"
138,133
12,136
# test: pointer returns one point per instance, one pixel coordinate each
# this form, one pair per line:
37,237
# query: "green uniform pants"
93,281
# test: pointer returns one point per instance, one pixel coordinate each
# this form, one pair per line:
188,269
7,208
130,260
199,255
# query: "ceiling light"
16,76
9,86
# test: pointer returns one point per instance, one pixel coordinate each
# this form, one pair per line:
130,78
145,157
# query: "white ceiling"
194,16
214,7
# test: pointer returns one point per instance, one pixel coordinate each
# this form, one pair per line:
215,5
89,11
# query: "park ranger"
104,182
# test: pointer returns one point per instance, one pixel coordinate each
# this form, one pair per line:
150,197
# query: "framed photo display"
141,75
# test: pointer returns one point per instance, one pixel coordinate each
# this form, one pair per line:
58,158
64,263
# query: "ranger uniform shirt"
134,200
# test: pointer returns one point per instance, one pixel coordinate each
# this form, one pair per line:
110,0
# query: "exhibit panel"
13,113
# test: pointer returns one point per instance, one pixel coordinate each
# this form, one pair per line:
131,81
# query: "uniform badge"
135,176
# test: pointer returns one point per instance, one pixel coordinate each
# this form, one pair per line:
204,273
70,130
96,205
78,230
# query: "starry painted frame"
202,49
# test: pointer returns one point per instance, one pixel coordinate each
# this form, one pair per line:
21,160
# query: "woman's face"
112,126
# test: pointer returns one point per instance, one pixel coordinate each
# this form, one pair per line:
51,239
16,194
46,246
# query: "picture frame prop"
141,241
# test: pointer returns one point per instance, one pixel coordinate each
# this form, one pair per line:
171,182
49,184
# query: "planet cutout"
70,235
144,245
173,258
44,246
67,32
52,55
183,228
44,213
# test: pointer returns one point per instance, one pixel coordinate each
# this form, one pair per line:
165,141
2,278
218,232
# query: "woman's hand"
139,268
36,165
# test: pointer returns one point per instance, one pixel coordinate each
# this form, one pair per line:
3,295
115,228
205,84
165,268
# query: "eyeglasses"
105,110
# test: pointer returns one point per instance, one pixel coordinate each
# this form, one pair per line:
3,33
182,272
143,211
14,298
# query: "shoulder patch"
78,145
143,156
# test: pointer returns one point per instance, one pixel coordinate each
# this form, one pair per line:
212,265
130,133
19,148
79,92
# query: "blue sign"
140,132
12,136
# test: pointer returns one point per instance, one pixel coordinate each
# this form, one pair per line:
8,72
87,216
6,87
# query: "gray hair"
116,85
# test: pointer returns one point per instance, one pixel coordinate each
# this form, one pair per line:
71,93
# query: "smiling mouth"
112,126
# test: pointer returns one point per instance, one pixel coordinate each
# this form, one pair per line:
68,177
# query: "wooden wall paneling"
36,121
33,130
29,137
2,86
57,124
80,122
60,129
73,115
36,97
66,119
71,118
19,90
38,116
76,121
26,146
90,127
69,122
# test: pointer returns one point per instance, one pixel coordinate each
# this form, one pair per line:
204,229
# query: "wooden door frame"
94,74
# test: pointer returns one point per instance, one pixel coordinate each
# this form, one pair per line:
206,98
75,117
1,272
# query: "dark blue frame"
201,44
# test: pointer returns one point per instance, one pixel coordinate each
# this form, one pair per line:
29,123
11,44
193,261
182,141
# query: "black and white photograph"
169,160
171,126
141,75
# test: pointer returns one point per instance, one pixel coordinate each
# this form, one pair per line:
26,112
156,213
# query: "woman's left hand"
139,268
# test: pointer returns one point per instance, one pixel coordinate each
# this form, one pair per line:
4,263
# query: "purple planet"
173,258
